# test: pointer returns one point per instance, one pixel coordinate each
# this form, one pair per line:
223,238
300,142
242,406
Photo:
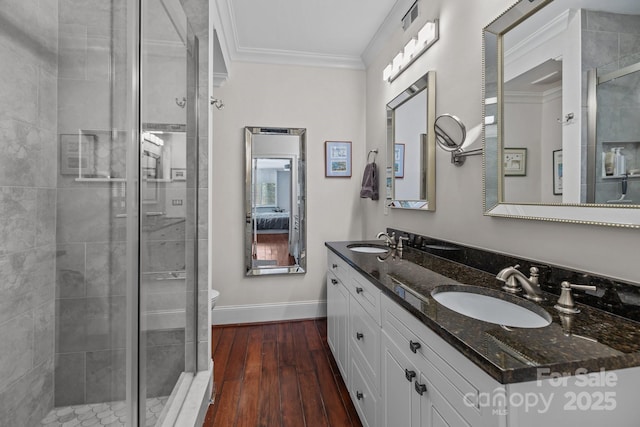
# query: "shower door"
168,204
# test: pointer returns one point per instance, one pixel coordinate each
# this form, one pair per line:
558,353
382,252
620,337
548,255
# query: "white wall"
457,59
330,104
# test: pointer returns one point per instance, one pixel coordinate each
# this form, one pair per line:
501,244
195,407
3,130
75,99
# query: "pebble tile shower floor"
112,414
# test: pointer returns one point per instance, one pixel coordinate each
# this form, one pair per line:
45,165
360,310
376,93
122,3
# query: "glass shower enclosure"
98,210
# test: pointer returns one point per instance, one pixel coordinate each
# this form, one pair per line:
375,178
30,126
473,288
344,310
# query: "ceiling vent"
410,16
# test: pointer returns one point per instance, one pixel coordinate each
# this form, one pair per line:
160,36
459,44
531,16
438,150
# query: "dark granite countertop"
590,340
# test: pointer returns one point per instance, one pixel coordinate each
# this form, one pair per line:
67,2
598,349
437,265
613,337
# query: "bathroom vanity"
409,361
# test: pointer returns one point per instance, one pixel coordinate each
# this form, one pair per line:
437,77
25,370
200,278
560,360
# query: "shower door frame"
134,398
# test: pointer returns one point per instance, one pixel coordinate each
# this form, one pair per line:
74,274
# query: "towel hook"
375,152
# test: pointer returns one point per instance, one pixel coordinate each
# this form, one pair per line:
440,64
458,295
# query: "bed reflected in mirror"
275,196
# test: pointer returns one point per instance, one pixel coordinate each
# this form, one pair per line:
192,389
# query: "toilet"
213,295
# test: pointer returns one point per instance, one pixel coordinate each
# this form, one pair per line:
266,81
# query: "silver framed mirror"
411,168
546,142
275,201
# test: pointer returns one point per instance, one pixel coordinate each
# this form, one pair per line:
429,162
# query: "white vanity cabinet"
338,321
353,334
338,273
440,387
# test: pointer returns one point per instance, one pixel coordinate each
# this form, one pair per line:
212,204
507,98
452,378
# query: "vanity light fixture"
416,46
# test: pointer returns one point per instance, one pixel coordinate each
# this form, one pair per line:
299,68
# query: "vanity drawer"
366,293
364,334
338,266
364,398
455,377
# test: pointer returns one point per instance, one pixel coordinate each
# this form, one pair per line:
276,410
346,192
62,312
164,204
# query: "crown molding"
229,43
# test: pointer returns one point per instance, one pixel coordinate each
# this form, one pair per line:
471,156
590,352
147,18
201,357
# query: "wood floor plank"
237,355
313,336
221,355
291,406
286,353
336,411
301,346
226,413
248,410
270,415
253,362
215,338
312,402
270,332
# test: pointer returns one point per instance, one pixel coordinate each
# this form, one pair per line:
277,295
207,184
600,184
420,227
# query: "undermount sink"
368,248
490,305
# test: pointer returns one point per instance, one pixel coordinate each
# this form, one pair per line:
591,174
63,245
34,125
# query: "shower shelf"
621,176
101,179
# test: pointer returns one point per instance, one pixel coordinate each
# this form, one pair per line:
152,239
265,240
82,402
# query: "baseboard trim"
255,313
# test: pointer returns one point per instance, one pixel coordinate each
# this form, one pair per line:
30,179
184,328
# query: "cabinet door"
398,376
435,410
337,321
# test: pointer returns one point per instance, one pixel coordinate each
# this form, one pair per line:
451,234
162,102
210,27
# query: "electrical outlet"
176,202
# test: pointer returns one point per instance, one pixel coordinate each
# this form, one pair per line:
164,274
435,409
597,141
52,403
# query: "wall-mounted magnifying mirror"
560,111
275,200
450,132
411,168
451,136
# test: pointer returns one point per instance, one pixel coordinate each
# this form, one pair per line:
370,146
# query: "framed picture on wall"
398,161
515,161
337,159
557,172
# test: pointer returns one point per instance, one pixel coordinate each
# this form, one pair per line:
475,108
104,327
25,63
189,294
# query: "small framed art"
557,172
515,161
337,159
398,161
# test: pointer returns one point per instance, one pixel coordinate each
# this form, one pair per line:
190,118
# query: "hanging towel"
370,182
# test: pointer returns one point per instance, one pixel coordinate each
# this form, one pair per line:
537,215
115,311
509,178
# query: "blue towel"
370,182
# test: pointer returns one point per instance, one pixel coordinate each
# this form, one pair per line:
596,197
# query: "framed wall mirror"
562,84
411,168
275,201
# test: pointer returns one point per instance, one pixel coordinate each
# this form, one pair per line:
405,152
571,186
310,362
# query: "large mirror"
275,200
411,169
561,102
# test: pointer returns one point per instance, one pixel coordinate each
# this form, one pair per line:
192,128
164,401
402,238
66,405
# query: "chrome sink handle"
565,303
389,240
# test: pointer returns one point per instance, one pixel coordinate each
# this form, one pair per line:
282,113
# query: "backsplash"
614,296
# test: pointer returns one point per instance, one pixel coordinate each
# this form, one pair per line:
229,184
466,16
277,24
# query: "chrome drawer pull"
334,281
359,395
359,335
359,290
335,266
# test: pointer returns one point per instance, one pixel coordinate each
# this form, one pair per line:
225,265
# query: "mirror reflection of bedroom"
272,243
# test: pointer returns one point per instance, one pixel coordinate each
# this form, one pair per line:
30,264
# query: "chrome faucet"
389,240
511,276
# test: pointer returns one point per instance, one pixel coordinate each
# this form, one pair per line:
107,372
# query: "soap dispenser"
609,162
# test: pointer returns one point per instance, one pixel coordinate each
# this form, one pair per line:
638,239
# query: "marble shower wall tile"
106,268
90,324
70,270
105,376
70,379
16,352
29,399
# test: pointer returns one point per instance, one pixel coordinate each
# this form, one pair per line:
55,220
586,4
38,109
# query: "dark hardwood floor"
277,374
